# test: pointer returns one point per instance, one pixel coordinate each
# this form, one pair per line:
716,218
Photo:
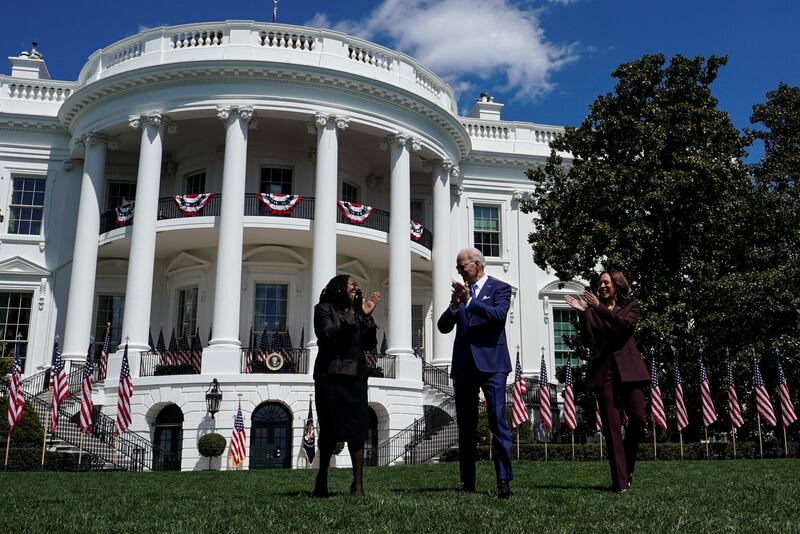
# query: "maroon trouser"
621,453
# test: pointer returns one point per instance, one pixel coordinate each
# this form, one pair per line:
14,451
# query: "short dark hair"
621,286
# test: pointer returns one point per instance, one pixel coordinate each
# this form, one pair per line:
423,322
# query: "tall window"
15,317
27,206
350,192
195,183
564,322
187,311
276,180
270,307
487,230
109,310
418,211
417,329
119,193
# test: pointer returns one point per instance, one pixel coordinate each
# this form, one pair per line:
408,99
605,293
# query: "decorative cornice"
401,139
231,113
321,120
95,138
154,118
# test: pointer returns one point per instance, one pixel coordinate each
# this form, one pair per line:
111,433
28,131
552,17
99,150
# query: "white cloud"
496,42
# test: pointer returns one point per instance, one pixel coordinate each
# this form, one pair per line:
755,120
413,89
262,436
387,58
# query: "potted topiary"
211,445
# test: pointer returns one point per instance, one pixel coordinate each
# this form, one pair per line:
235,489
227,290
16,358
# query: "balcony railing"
381,365
282,361
253,207
170,363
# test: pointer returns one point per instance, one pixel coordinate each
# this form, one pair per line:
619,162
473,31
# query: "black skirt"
341,407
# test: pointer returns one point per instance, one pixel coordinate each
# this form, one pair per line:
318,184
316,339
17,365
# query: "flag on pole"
598,421
171,356
519,414
150,340
734,410
197,351
303,338
124,394
87,406
384,345
161,347
104,353
59,385
16,399
309,435
709,412
544,397
680,405
788,415
656,402
239,439
763,403
569,398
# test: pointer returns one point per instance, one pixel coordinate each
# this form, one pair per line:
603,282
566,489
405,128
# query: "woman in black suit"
615,372
345,329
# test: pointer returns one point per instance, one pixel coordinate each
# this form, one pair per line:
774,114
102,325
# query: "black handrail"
406,443
254,207
170,363
438,377
254,361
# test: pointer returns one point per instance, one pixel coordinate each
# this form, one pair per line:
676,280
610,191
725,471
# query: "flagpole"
601,444
785,443
47,421
573,443
545,451
733,433
80,452
705,430
680,435
760,444
8,444
655,449
518,443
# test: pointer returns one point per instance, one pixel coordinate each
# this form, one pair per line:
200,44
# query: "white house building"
250,112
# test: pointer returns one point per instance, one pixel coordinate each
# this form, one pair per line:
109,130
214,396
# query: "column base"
407,365
221,360
115,364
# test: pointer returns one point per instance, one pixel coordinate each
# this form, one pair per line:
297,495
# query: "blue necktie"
472,288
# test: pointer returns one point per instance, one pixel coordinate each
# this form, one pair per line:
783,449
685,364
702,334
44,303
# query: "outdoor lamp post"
213,397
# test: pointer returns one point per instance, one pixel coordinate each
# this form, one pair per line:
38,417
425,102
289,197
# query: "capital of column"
446,164
229,113
323,119
155,118
95,138
400,139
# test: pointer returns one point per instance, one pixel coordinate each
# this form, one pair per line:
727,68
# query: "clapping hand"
591,299
576,304
460,293
368,306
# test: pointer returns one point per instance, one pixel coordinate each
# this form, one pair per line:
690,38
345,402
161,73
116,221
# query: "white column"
442,255
78,326
141,260
323,262
223,353
400,256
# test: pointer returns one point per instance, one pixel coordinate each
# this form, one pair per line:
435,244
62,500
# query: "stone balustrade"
39,90
519,138
297,46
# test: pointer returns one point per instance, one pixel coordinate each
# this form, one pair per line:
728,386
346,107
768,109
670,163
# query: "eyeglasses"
461,267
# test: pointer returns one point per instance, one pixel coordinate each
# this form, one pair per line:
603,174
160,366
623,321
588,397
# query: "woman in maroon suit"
615,370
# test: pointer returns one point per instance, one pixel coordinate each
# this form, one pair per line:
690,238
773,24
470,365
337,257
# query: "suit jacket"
342,338
480,330
609,334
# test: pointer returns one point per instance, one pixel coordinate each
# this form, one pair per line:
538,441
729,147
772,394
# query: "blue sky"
547,60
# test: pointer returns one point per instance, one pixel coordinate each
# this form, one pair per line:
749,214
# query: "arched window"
271,437
169,438
371,444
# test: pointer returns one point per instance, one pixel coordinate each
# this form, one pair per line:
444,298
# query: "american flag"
519,414
656,403
87,406
569,398
598,421
288,348
787,410
544,397
309,435
239,439
303,338
384,346
734,410
161,347
763,404
709,412
16,400
197,351
124,394
680,405
150,340
59,385
171,356
101,375
184,350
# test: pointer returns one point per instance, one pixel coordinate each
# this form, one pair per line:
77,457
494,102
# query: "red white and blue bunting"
416,230
279,204
355,213
191,205
124,213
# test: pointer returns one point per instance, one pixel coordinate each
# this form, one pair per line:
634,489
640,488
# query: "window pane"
270,307
564,327
109,310
26,209
195,183
486,220
187,311
276,180
15,312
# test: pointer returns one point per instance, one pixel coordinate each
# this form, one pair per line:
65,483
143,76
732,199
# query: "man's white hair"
473,254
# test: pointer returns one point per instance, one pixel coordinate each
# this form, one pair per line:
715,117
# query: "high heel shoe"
355,493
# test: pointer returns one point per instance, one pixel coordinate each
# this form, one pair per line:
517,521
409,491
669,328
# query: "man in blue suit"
478,310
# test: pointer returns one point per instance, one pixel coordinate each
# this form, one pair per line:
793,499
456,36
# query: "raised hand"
368,306
460,292
576,304
591,299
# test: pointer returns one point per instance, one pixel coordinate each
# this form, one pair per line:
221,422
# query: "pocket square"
486,297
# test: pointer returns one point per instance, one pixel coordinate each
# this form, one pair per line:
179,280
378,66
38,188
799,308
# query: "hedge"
27,433
666,451
30,459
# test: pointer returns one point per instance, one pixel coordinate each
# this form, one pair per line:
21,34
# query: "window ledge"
505,263
21,238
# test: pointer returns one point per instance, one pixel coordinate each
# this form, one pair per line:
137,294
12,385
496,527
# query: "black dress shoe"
504,489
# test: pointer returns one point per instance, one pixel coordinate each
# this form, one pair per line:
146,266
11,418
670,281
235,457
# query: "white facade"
338,117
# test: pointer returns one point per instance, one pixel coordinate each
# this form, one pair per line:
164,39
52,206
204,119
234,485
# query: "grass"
557,496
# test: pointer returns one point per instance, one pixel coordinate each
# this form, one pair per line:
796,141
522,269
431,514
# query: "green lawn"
557,496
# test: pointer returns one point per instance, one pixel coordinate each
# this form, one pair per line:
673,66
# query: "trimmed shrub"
27,433
211,445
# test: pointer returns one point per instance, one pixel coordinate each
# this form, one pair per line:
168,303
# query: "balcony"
281,361
170,363
253,207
